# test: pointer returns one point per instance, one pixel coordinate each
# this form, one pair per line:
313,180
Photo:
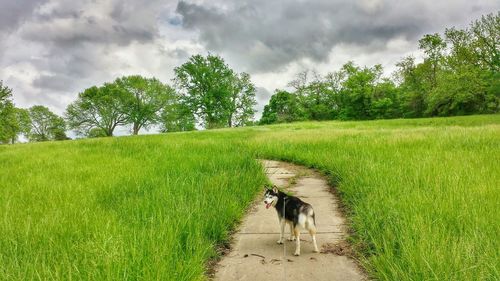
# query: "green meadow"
422,196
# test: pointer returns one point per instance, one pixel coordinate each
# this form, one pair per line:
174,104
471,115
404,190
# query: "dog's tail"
311,214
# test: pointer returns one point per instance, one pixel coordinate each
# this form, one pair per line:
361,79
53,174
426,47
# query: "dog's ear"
275,189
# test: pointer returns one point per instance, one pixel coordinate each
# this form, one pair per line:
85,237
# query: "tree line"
206,93
458,76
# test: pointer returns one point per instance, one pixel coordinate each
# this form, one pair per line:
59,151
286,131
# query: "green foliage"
412,88
177,117
216,95
96,133
385,101
8,123
357,91
45,125
242,101
24,121
13,121
37,123
316,97
283,107
98,107
145,99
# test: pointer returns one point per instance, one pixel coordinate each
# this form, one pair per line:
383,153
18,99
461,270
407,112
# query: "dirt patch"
211,265
341,248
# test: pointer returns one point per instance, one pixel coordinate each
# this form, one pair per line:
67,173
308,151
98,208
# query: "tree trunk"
136,129
109,132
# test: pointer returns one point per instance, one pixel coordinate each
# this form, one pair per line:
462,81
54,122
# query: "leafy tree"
24,121
413,94
283,107
385,102
145,98
468,72
241,107
214,93
45,125
433,46
357,91
98,107
177,117
316,96
96,133
9,125
486,34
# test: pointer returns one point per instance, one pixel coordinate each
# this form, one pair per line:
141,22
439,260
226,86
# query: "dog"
294,212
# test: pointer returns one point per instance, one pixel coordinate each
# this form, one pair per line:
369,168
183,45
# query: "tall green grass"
423,197
123,208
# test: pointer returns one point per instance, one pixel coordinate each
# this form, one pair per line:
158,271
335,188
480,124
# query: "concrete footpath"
254,253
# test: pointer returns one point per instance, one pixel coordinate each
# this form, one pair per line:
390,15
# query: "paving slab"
254,253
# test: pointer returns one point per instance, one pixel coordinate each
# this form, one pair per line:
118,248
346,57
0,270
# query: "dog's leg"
292,236
296,231
311,227
312,231
282,230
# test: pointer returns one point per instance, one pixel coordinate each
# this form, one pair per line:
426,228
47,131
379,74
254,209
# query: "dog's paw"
296,254
316,251
279,242
291,238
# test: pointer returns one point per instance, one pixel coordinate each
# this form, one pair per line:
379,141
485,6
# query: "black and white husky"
294,212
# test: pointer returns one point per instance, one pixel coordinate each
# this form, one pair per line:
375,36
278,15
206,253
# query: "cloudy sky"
52,49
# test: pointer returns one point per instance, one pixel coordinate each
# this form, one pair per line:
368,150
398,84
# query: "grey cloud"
262,96
12,12
58,83
69,23
269,34
78,36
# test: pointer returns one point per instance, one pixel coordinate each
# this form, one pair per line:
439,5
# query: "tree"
9,125
24,121
468,71
283,107
486,34
45,125
357,91
384,101
145,98
214,93
241,107
433,46
177,117
98,107
96,133
413,94
316,96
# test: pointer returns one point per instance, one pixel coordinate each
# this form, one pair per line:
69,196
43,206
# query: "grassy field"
423,197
